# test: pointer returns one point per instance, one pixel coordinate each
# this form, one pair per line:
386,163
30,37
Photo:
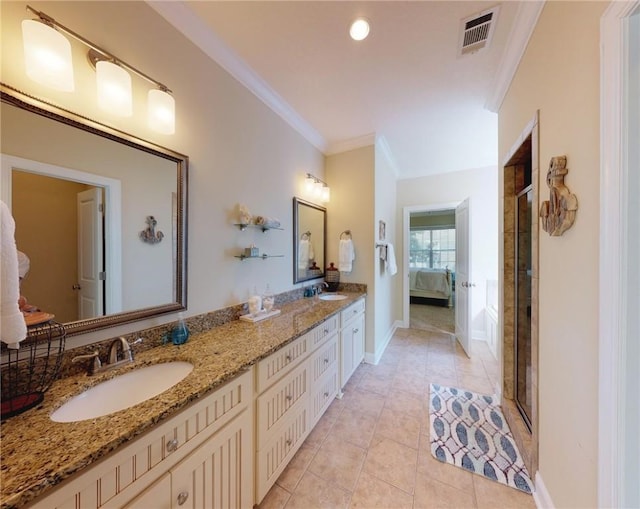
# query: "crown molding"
521,31
351,144
197,31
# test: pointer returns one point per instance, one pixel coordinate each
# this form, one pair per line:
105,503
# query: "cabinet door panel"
219,474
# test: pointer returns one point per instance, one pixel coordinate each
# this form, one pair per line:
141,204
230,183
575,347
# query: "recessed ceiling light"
359,29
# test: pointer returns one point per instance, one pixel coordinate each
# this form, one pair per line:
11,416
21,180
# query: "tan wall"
44,209
559,75
351,178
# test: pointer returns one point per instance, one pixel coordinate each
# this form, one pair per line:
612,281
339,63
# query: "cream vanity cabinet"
294,386
176,464
351,340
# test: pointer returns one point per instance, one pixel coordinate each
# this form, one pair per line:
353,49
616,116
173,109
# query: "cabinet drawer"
324,393
280,401
324,359
281,362
353,310
322,332
272,459
120,476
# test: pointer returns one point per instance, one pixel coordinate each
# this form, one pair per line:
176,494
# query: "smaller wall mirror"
309,240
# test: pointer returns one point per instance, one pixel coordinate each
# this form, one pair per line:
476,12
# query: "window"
432,248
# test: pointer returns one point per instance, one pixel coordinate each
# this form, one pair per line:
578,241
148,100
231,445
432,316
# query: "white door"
90,285
463,285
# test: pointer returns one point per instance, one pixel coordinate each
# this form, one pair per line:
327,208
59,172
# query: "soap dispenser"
180,333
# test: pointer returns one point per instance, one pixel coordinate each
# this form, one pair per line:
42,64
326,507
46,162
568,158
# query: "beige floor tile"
432,494
363,401
276,498
296,468
409,382
406,402
375,382
314,492
392,462
339,462
372,493
399,427
491,494
480,384
319,432
355,427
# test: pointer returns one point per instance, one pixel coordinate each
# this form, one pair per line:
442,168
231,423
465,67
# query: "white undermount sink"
122,392
332,296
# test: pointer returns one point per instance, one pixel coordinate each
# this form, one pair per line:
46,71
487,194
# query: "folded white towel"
305,254
13,328
390,263
346,255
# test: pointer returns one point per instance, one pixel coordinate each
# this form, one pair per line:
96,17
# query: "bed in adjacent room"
431,284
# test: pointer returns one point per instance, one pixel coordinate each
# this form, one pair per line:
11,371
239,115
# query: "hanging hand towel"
305,253
13,328
346,255
391,266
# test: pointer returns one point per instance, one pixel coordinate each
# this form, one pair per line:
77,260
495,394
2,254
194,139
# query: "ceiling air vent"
476,31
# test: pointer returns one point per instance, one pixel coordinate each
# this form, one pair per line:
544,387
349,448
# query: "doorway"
519,313
432,259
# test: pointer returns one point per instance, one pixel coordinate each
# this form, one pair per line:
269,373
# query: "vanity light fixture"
318,188
359,29
112,74
47,55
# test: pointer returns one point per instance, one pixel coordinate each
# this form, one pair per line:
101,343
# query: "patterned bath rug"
469,431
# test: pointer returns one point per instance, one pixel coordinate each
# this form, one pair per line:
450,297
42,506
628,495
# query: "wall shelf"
262,227
263,256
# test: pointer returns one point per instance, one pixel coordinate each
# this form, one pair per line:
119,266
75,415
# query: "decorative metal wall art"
149,235
559,212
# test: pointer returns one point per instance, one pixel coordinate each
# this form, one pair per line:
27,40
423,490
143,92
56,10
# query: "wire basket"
27,372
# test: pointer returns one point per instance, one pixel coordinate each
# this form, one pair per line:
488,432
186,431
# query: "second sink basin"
332,296
122,392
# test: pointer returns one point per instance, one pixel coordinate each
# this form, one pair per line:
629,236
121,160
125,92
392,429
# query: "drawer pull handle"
326,331
288,358
326,361
355,331
172,445
326,394
288,442
182,497
288,397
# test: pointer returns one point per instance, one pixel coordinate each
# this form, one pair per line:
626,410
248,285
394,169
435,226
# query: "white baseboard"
541,496
374,358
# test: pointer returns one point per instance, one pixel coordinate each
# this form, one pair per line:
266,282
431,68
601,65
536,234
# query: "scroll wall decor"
559,212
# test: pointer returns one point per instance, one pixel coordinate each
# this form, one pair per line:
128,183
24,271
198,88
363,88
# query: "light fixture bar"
45,18
309,176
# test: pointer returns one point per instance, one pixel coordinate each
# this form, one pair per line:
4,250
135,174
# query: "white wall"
388,297
481,186
559,76
239,150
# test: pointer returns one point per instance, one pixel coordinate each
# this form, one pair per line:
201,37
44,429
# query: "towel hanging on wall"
346,255
13,328
390,262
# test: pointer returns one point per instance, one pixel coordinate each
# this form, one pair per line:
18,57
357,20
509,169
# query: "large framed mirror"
309,240
101,216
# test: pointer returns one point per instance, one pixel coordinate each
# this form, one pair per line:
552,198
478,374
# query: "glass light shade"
47,56
114,89
326,194
317,189
161,111
309,183
359,29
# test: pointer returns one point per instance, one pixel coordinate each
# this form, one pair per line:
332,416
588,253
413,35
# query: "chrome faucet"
120,352
319,287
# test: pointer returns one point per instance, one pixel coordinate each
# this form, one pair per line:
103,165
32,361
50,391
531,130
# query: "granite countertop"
38,453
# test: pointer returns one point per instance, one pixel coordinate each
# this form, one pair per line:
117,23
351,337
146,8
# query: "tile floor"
371,448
